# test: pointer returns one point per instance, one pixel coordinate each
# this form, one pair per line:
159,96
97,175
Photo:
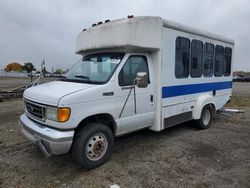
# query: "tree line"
28,67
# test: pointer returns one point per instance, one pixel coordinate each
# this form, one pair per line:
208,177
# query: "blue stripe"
173,91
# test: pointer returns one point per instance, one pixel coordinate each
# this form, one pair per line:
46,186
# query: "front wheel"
92,145
206,117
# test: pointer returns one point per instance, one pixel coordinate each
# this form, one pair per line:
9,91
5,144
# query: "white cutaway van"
135,73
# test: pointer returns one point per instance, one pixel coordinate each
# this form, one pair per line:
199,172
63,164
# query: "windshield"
94,68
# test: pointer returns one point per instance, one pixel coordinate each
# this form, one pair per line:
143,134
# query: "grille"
35,110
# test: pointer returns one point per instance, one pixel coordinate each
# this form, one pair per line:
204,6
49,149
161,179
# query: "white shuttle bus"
134,73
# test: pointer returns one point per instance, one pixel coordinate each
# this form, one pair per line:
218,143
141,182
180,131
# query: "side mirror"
142,79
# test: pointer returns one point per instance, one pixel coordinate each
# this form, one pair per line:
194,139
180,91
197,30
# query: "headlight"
58,114
51,113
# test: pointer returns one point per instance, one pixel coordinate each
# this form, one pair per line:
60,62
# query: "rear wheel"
92,145
206,117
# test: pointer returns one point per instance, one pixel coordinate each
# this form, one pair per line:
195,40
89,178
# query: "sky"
31,31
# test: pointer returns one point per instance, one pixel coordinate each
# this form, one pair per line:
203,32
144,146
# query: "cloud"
37,30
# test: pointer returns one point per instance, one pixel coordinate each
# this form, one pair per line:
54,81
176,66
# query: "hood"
50,93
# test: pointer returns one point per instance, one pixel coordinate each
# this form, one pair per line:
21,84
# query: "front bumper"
50,141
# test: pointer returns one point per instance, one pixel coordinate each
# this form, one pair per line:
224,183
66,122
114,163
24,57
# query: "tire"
206,117
92,145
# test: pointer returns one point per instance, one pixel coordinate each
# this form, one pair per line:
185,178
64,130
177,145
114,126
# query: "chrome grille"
35,110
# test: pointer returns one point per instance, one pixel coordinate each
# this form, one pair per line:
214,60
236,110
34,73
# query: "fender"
200,103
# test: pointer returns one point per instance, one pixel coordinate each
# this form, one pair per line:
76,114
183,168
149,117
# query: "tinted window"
182,56
132,66
196,58
208,65
227,63
219,60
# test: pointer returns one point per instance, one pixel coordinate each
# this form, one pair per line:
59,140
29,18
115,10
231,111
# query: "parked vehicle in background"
135,73
235,78
247,78
241,78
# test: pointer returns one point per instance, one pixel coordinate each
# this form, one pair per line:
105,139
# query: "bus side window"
208,65
182,57
227,63
196,58
219,60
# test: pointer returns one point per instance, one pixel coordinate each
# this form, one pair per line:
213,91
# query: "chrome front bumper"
50,141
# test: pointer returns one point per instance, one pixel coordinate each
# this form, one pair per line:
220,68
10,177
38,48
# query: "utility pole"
42,68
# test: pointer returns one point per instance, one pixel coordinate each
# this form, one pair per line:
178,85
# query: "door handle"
151,98
108,94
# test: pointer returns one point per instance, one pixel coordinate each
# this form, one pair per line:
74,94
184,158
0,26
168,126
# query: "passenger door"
139,111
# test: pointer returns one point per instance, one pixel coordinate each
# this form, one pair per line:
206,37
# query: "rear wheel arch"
203,101
213,108
206,117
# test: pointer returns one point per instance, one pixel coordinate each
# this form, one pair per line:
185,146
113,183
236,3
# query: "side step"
177,119
229,111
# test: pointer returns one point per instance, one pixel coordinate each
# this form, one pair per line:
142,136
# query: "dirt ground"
181,156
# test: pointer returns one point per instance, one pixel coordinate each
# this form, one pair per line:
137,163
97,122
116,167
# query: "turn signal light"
63,114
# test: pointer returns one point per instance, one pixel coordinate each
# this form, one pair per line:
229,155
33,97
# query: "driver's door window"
133,65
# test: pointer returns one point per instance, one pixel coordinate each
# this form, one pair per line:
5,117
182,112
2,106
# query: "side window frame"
146,60
218,53
205,54
182,49
192,73
227,56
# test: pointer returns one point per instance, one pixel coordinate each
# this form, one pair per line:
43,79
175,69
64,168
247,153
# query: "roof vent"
130,16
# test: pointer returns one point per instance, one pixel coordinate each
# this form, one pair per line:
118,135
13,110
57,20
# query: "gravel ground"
181,156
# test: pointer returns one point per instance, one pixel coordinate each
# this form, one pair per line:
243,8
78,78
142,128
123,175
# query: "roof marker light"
130,16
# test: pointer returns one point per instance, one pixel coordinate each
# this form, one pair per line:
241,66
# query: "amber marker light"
63,114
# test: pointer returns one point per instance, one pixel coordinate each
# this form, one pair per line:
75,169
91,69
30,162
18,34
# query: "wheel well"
106,119
212,106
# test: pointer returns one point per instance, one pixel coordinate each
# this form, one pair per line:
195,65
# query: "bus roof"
188,29
143,32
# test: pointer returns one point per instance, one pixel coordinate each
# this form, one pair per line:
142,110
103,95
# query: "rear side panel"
184,96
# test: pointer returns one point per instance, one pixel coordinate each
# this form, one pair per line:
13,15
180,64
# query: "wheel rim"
96,146
206,117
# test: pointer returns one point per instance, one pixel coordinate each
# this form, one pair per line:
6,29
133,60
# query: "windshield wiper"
80,76
82,81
